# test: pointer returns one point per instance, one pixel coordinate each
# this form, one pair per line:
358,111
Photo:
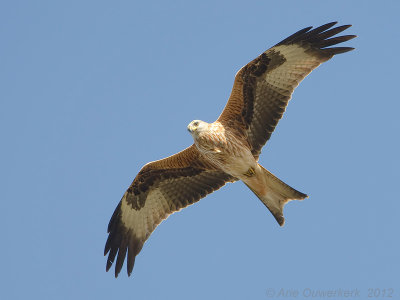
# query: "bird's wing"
263,87
161,188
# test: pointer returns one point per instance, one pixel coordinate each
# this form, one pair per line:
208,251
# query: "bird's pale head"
196,127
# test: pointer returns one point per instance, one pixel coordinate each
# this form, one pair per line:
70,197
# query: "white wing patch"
142,222
298,65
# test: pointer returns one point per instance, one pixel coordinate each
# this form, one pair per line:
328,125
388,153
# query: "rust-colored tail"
274,194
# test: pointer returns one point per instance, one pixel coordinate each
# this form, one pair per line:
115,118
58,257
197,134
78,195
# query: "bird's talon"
250,172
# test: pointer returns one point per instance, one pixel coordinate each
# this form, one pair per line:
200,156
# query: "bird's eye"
196,124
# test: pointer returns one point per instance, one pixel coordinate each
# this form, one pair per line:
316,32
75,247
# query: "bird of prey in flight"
226,150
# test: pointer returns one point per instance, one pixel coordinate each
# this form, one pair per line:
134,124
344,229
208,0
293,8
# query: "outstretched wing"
263,87
161,188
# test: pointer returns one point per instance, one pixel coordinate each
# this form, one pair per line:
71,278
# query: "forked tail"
274,193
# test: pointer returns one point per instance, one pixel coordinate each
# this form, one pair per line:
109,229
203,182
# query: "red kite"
226,150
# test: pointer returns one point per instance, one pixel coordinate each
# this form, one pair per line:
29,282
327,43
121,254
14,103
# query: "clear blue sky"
92,90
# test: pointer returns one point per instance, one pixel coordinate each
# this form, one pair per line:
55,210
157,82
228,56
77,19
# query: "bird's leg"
250,172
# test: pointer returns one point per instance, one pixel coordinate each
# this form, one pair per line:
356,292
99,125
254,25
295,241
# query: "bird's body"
226,150
223,147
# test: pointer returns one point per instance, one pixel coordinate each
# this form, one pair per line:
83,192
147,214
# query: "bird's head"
196,127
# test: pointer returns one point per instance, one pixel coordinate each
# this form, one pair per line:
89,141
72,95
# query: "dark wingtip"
294,35
129,270
337,50
107,247
319,38
330,24
121,244
317,30
120,259
108,265
130,260
346,26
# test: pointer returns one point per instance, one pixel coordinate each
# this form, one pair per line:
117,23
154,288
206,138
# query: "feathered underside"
260,94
